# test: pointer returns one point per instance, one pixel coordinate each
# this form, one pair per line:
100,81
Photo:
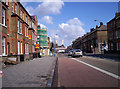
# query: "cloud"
46,19
46,7
49,7
70,30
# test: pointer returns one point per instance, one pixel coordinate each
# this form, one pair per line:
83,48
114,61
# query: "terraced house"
21,34
113,27
93,41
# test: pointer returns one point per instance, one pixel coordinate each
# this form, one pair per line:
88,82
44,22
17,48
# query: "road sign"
37,46
29,36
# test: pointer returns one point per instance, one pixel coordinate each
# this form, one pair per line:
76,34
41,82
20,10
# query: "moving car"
77,53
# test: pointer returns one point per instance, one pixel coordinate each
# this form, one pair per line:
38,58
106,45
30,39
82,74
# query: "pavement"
71,73
33,73
114,57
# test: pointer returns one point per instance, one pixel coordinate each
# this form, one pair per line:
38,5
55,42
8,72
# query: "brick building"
19,32
3,30
93,41
113,27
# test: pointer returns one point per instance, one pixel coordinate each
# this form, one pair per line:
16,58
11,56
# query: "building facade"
18,32
3,30
93,41
113,27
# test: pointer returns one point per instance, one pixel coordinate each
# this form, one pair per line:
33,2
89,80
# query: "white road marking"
101,70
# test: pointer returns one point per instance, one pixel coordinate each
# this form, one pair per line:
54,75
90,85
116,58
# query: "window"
18,47
21,27
23,15
13,7
18,26
21,47
111,46
16,8
110,35
32,24
118,34
3,16
26,19
118,46
3,45
27,31
26,49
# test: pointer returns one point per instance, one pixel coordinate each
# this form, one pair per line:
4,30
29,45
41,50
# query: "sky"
69,20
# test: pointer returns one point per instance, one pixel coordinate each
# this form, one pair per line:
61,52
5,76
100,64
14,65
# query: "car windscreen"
78,50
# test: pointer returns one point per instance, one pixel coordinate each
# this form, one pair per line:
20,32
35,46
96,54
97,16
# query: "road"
86,72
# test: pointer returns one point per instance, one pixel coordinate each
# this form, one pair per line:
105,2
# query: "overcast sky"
70,20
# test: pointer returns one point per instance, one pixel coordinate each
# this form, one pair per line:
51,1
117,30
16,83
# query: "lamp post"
100,37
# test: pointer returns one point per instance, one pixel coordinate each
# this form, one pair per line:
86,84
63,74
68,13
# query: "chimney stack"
92,29
96,26
101,23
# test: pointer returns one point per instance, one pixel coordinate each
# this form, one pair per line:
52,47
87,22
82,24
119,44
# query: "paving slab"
29,73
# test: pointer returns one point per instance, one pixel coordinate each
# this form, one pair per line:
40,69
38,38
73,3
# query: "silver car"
77,53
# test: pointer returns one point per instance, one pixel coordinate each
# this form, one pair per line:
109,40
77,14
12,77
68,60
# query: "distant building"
113,27
93,41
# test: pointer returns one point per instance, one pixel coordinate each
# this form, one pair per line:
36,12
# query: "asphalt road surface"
86,72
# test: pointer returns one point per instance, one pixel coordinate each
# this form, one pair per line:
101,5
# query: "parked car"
70,53
77,53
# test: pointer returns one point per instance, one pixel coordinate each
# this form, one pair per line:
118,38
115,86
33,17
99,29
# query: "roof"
42,26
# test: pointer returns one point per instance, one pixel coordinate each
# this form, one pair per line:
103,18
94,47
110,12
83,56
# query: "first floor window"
26,48
18,47
3,45
18,26
16,8
118,46
3,16
21,27
111,46
13,7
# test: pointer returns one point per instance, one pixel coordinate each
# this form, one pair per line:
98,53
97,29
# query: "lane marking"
101,70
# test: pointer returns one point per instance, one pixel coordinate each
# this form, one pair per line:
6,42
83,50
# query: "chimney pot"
96,26
101,23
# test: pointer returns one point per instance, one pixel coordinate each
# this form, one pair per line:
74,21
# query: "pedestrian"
1,74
